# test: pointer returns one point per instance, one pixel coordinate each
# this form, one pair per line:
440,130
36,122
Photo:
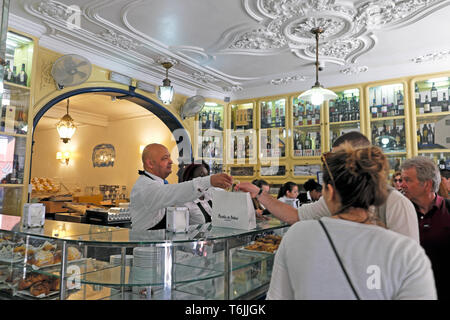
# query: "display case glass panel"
12,159
344,113
242,171
307,170
272,143
210,136
211,116
306,133
433,118
19,57
242,146
242,116
274,171
386,101
273,114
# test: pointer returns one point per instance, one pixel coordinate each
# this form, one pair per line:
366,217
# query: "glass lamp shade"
317,95
165,94
66,128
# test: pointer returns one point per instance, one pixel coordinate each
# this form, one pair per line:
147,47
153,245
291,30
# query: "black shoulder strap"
205,214
143,173
339,259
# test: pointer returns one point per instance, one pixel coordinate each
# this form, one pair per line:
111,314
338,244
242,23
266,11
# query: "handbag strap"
339,259
205,214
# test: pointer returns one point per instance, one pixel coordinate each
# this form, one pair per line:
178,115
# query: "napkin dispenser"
33,215
177,219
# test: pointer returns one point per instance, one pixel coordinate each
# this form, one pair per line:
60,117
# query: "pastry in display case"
117,263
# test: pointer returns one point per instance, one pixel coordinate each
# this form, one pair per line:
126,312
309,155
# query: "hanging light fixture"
165,92
66,126
317,94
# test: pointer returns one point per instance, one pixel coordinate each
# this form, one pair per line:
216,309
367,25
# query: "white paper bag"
232,210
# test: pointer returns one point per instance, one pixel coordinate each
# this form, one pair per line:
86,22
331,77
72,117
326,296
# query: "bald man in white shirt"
151,194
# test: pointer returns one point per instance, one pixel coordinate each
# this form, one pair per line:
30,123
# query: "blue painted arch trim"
161,112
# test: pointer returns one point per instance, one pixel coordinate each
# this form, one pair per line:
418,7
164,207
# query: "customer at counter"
398,213
420,183
200,209
350,255
313,189
151,194
288,194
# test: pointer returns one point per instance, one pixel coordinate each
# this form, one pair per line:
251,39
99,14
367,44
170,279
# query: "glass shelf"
390,136
345,108
273,114
386,102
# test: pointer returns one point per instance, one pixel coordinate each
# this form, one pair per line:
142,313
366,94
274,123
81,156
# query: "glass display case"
344,114
242,136
14,122
388,121
74,261
209,135
306,129
272,132
432,119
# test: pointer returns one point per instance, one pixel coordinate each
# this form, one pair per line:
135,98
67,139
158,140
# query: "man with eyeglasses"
398,213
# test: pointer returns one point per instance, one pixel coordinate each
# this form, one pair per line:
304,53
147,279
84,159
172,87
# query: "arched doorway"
165,117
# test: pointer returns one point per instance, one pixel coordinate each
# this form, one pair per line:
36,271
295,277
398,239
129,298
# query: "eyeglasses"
323,157
397,180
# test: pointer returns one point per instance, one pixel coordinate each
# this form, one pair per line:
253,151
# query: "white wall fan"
192,106
71,70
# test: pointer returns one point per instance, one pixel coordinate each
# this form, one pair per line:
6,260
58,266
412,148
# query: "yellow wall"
126,136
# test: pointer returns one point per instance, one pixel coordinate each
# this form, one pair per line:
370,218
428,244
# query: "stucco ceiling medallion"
287,80
353,69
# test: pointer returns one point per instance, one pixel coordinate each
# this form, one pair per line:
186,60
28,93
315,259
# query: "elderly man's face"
160,162
412,187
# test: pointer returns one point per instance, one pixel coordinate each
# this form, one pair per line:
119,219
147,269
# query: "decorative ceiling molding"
287,80
233,88
353,69
348,28
445,54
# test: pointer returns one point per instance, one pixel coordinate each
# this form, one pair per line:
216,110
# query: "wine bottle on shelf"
425,134
430,136
445,102
7,72
374,133
400,104
426,105
318,143
434,95
419,138
22,77
384,108
417,96
14,75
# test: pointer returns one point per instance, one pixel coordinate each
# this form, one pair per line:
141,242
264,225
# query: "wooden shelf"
307,126
394,153
433,151
342,123
387,118
432,116
10,185
11,134
15,85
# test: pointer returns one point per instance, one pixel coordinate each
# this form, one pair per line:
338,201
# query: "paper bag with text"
233,210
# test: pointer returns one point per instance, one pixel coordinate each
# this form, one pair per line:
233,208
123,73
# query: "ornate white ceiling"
246,48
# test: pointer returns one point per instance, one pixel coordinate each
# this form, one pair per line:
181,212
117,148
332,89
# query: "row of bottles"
389,106
242,147
210,120
11,75
272,147
389,138
433,101
306,114
210,147
307,145
273,114
13,119
426,136
344,109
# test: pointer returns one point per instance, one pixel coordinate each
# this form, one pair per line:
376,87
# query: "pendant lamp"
66,126
317,94
165,92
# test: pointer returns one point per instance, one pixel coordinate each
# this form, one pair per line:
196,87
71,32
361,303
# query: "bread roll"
73,253
39,288
43,258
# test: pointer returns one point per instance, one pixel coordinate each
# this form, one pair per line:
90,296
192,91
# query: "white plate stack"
146,267
117,260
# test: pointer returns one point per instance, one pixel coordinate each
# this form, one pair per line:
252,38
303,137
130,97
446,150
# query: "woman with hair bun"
288,194
350,255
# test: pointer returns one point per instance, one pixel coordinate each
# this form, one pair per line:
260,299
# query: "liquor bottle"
441,163
426,105
14,75
430,136
434,95
374,133
332,103
269,115
433,136
384,108
212,119
419,138
7,73
307,142
384,131
22,77
318,143
445,103
397,165
400,111
300,115
417,96
425,134
295,107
